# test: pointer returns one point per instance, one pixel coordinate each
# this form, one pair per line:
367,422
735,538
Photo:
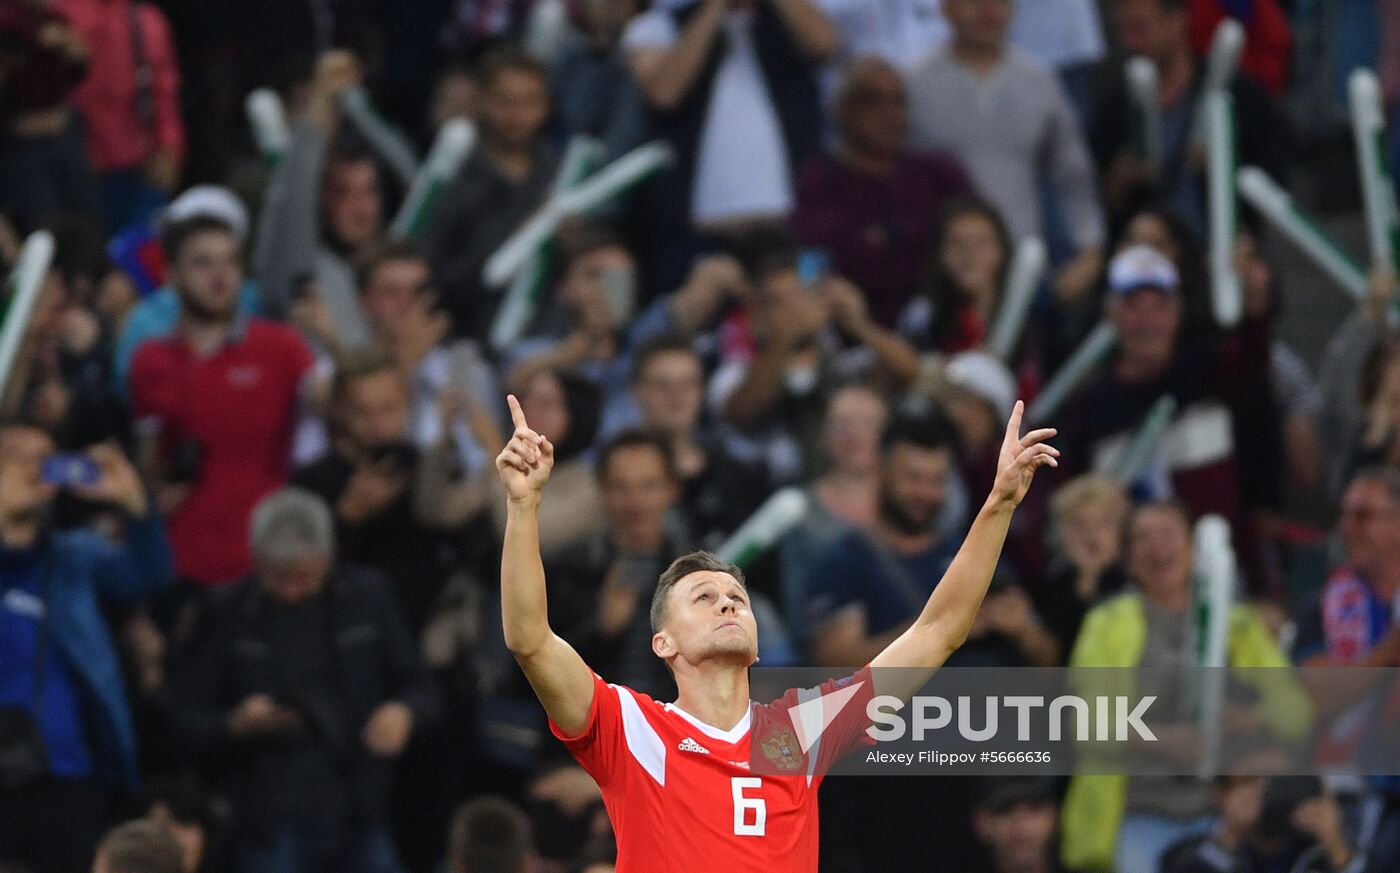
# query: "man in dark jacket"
304,685
61,694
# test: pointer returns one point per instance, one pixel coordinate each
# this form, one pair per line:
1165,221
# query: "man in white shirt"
722,60
1005,115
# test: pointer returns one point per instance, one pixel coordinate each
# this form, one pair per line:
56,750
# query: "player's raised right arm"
561,679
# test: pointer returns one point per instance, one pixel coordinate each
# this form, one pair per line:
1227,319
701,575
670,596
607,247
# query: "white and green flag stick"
453,145
1213,596
22,292
268,119
1264,194
1144,90
602,187
546,29
580,158
1222,63
383,137
1027,266
1227,292
779,514
1097,346
1377,184
1145,441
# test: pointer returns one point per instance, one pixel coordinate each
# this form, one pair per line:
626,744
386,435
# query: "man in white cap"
1222,451
159,312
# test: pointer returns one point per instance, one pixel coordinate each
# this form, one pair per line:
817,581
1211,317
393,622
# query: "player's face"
1159,552
709,617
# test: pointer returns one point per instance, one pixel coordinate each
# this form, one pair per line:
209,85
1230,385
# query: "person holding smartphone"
67,744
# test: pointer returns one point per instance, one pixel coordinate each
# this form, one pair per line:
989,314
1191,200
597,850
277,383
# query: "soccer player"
676,777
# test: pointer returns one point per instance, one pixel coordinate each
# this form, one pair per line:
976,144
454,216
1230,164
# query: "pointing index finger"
1013,427
517,415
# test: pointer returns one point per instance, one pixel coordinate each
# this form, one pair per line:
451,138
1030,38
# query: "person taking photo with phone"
67,745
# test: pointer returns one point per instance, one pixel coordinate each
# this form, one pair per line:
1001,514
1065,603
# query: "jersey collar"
733,735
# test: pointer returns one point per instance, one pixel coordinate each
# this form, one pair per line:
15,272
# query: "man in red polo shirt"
223,391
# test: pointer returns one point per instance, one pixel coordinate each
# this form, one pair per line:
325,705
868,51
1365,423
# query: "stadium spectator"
1066,35
733,86
489,835
221,392
497,188
398,507
961,281
1353,372
720,487
872,203
323,208
188,815
1015,821
448,380
1268,37
588,325
302,686
866,586
130,104
1280,823
138,847
783,355
1121,822
1007,119
1158,30
570,406
1088,515
1222,390
46,170
69,744
597,95
845,496
598,595
158,313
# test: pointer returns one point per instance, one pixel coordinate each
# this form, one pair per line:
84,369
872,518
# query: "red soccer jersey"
680,793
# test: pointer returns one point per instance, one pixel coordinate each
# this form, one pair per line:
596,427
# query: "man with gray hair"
305,677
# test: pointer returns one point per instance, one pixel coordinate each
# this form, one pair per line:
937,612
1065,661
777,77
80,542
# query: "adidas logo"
689,745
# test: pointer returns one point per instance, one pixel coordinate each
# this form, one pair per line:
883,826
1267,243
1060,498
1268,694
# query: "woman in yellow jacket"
1122,823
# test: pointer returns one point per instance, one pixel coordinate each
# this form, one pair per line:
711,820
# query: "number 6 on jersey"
742,805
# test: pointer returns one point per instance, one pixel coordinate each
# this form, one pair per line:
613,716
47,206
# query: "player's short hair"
695,562
141,847
489,835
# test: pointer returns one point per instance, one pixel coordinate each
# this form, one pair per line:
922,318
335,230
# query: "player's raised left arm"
946,619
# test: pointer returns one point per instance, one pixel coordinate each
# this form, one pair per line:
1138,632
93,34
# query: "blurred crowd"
249,524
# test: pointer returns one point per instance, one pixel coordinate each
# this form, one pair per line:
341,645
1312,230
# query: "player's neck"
716,694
